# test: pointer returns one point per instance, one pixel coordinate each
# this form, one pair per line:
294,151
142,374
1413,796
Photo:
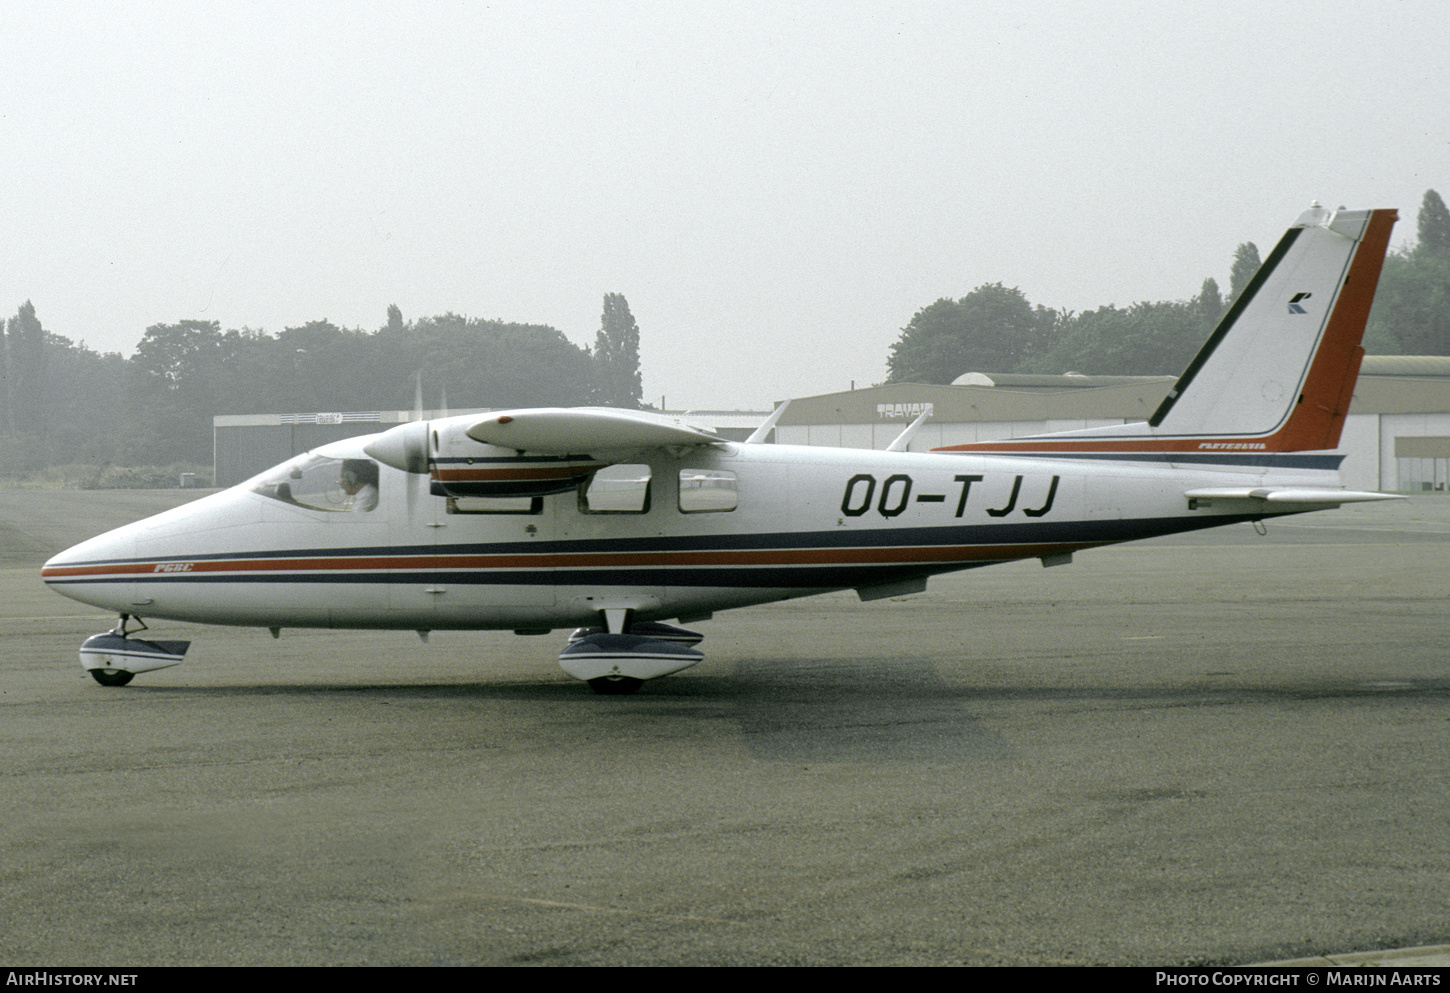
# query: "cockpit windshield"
322,483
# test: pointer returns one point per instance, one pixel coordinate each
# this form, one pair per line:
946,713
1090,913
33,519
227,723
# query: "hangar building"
1397,434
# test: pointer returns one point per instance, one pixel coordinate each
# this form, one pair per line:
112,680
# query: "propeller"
405,447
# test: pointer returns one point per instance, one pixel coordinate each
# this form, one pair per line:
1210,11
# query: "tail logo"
1294,306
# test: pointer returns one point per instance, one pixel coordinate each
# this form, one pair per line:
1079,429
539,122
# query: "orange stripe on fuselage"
767,557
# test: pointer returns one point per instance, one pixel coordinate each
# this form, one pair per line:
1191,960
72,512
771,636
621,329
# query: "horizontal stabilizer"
575,430
904,438
758,436
1287,494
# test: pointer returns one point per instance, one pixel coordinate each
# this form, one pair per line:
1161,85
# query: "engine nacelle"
462,467
459,466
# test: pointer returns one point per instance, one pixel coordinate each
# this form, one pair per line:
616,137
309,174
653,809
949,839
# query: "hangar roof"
1405,365
1388,384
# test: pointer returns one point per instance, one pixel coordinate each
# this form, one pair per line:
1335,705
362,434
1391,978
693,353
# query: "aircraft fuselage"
799,521
619,520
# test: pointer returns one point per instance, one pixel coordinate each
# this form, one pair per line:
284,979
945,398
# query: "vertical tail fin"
1282,364
1277,373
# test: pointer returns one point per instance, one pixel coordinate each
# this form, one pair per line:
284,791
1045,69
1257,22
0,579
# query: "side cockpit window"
707,490
321,483
616,489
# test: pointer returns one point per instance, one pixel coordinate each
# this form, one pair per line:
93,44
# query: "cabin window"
495,505
707,490
616,489
320,483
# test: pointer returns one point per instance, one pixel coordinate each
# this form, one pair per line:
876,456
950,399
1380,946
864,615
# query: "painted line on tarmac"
1422,955
625,910
54,617
1372,528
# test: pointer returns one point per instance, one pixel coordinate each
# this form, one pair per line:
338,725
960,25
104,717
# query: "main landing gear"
113,657
614,659
617,662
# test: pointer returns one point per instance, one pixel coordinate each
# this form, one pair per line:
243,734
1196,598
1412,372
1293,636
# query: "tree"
170,355
85,410
59,402
1209,302
617,380
169,400
1146,339
25,345
1246,263
991,329
1434,225
5,377
1411,313
324,368
25,353
479,363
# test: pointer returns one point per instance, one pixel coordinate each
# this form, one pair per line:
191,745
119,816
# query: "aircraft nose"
98,571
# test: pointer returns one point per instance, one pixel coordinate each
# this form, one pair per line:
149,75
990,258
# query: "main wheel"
615,685
112,677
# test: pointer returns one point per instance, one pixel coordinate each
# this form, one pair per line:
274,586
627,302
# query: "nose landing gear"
113,657
615,664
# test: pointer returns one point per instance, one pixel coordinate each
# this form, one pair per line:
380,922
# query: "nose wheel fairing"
113,657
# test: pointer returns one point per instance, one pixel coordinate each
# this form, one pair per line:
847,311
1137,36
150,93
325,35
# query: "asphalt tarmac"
1215,749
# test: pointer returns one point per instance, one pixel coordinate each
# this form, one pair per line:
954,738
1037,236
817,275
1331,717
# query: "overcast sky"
775,187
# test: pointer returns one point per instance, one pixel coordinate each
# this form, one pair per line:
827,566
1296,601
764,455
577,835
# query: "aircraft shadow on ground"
907,715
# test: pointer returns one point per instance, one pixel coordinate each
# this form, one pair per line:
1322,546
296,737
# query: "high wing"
567,430
530,452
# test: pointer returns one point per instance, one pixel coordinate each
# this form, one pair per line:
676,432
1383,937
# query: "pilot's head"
357,473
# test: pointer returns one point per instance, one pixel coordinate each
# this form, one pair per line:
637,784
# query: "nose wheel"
615,685
617,663
114,657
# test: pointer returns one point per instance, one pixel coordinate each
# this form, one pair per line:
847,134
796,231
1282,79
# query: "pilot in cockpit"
360,483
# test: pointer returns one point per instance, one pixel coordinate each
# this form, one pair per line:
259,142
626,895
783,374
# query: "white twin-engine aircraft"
617,522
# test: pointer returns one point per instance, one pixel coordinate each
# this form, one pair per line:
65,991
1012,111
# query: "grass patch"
83,476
